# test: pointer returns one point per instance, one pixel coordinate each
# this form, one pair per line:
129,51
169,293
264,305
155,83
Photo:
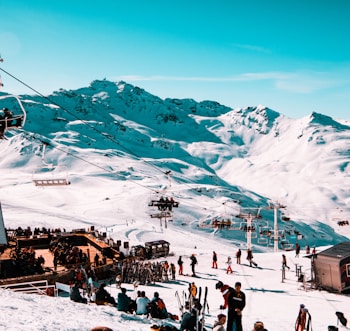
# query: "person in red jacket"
225,290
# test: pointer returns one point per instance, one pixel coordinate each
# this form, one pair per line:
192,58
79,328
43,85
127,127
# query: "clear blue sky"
292,56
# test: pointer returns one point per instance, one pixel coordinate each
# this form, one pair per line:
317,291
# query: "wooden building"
332,268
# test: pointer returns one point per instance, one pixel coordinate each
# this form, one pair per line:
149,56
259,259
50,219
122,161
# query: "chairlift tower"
275,206
249,216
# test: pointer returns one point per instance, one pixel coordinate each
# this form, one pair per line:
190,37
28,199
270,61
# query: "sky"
291,56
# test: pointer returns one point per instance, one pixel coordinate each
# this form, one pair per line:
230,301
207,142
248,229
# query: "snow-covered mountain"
221,159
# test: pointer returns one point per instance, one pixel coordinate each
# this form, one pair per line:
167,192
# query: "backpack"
152,309
160,304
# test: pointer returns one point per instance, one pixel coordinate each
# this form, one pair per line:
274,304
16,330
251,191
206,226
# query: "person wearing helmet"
225,291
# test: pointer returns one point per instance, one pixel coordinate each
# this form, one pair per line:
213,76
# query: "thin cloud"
253,48
294,82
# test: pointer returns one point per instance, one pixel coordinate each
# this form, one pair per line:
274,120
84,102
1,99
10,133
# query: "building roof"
340,250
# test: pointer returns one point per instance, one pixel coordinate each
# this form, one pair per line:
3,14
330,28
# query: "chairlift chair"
285,217
49,174
287,247
12,120
263,241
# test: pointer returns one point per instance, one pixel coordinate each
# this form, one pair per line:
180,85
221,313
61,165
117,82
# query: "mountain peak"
324,120
260,118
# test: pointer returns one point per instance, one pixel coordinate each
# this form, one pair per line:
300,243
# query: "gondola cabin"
332,268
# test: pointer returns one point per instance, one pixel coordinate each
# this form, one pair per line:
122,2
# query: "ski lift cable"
92,127
46,144
34,136
82,120
184,202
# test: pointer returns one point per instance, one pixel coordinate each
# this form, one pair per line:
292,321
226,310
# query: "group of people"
193,263
234,301
24,263
238,260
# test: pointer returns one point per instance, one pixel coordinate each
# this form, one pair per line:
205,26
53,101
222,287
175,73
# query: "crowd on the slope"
191,313
155,307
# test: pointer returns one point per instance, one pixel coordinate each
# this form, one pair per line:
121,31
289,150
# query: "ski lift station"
332,268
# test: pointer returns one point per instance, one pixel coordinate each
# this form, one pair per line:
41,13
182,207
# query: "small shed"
332,268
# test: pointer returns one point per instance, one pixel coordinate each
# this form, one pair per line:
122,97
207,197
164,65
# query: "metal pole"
275,237
249,237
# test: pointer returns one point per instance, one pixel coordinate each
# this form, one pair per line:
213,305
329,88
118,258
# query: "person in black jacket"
236,304
75,294
193,264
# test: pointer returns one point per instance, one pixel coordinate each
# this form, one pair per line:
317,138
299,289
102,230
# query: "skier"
229,263
297,250
180,264
238,256
284,262
250,258
215,260
193,264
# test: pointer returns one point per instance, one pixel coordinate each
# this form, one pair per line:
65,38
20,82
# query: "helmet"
219,284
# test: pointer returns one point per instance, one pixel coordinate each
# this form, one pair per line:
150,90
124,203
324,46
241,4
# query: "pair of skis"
205,306
201,308
180,303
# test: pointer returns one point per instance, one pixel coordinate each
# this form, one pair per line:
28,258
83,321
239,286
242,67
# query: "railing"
40,287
